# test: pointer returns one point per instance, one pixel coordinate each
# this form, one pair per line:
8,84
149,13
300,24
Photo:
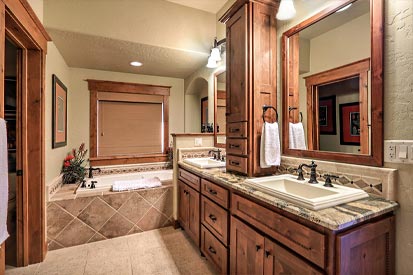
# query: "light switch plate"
398,151
198,142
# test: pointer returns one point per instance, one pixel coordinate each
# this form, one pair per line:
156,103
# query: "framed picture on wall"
350,124
327,115
59,113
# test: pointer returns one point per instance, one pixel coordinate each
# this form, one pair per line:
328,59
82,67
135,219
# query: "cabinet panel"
193,219
237,67
367,249
237,130
190,179
237,146
215,251
280,261
238,164
183,210
215,219
301,239
246,250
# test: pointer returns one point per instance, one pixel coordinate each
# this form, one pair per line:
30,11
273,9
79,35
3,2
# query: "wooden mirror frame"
376,36
216,144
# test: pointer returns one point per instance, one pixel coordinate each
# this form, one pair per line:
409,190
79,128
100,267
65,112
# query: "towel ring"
301,117
265,108
295,108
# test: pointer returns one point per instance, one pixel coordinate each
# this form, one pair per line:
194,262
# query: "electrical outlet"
398,151
198,142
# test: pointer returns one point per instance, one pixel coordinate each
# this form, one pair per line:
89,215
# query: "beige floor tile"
28,270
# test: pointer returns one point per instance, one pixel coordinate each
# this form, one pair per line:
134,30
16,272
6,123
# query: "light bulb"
286,10
211,63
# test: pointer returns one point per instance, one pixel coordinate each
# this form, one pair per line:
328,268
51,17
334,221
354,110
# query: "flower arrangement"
73,170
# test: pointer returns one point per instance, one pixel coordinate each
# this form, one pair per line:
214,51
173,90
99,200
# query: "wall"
79,100
398,105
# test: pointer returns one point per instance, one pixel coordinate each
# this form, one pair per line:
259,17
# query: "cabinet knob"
213,192
258,247
212,217
267,253
212,250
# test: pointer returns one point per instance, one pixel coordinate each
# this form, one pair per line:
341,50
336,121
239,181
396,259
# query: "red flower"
69,157
67,164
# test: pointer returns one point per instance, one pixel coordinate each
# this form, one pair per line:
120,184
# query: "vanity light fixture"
216,51
286,10
344,8
136,63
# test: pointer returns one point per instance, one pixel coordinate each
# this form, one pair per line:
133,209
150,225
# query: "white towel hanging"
270,153
4,184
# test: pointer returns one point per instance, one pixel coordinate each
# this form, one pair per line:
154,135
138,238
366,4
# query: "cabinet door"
237,66
280,261
247,249
368,249
193,225
183,209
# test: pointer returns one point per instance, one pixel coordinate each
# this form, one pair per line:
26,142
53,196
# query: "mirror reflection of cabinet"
220,104
332,78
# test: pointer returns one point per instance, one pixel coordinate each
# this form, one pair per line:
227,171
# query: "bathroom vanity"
242,230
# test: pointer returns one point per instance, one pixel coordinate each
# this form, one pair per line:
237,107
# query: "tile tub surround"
334,218
88,219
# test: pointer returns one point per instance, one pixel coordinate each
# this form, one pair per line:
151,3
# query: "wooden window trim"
96,86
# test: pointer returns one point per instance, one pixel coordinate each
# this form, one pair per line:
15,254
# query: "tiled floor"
161,251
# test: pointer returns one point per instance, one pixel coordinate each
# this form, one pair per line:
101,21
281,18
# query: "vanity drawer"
214,251
190,179
237,146
237,130
215,218
215,192
238,164
301,239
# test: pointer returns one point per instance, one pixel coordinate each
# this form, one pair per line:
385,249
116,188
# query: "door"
237,67
193,210
280,261
183,205
247,249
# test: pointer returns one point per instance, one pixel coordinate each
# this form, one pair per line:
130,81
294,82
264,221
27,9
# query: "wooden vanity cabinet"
188,207
251,80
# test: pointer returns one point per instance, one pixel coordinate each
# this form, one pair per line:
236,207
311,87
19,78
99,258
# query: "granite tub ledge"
334,218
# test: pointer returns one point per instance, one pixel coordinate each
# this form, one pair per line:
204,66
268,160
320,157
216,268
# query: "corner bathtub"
104,183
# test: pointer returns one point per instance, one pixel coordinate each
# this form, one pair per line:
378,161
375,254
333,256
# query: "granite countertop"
335,218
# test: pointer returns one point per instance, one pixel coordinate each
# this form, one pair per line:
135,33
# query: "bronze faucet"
217,156
313,175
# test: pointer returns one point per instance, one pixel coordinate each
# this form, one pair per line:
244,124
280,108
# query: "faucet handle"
328,178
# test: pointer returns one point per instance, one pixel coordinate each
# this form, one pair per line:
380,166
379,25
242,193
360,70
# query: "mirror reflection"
220,107
329,83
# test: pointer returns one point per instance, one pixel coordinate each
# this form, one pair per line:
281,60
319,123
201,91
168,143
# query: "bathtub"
104,183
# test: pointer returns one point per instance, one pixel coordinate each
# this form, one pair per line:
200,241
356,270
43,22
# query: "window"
128,122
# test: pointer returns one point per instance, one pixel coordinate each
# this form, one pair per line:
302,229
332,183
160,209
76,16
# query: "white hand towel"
4,184
270,154
296,136
123,185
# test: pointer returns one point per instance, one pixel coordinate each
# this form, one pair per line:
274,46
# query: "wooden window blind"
129,128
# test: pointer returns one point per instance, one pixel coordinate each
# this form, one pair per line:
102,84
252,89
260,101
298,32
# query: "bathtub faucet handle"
93,186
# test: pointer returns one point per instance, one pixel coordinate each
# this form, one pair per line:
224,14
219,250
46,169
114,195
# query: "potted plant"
73,170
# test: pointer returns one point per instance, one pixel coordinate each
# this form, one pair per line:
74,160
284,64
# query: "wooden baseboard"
2,258
176,224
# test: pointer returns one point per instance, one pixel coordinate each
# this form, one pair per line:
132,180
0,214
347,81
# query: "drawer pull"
234,130
232,146
232,162
267,253
257,247
186,192
212,217
212,250
213,192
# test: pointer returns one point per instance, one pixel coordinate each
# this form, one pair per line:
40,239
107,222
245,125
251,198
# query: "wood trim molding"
216,96
124,87
96,86
377,38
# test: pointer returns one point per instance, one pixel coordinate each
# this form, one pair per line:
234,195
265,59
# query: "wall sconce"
286,10
216,51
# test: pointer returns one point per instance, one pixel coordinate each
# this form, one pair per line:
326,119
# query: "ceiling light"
211,63
136,63
345,7
286,10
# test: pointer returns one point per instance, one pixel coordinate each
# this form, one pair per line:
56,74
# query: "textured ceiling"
211,6
102,53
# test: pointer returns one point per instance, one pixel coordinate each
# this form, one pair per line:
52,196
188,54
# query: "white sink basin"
312,196
205,162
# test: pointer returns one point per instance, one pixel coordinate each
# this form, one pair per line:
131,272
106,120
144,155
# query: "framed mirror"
333,84
220,98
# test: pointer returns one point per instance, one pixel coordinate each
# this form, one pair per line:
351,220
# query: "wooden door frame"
19,23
